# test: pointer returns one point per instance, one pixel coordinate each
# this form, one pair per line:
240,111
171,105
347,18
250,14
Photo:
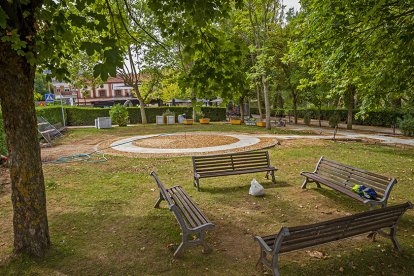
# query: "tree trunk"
30,225
142,109
241,103
194,103
267,100
350,101
295,107
259,101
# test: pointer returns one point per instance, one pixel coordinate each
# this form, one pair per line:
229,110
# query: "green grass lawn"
102,220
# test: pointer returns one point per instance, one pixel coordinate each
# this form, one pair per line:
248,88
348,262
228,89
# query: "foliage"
168,113
119,115
307,118
334,120
52,114
83,116
407,125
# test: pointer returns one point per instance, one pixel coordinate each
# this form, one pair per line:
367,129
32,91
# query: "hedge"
81,116
385,118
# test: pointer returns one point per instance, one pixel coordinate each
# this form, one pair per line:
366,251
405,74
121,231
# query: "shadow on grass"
237,189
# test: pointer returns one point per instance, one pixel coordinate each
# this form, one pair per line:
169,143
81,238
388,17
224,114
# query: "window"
102,93
118,93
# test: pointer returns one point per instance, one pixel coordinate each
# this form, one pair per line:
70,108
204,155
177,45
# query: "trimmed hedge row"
83,116
385,118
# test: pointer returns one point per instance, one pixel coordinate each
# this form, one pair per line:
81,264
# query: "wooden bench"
294,238
342,178
232,164
191,219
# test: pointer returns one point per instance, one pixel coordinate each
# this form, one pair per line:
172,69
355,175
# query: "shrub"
119,115
307,118
84,116
53,114
407,125
334,120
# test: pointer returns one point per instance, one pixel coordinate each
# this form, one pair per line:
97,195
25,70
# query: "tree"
36,33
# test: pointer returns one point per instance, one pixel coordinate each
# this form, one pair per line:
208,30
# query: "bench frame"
273,253
199,231
382,202
269,169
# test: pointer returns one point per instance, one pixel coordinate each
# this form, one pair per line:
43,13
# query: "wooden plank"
193,206
383,178
326,166
191,222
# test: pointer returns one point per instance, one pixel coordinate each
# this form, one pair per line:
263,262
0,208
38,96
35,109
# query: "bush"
53,114
334,120
407,125
307,118
119,115
84,116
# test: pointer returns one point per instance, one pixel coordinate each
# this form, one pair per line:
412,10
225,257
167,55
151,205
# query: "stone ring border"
126,145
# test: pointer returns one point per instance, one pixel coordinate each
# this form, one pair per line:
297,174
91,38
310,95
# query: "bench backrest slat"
231,162
328,231
347,176
163,190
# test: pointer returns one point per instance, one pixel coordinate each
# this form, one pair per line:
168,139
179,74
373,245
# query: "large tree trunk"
259,101
350,102
267,100
295,106
241,103
30,225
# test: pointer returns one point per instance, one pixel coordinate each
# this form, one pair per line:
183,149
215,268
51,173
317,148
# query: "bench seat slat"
224,173
193,209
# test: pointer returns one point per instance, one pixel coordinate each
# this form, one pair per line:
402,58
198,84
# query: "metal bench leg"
181,247
267,174
197,184
273,177
275,265
157,204
206,248
304,183
394,239
259,264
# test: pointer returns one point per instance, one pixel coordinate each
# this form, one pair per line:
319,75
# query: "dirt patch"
185,141
4,180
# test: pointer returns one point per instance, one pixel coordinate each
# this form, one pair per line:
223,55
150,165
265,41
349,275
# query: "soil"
185,141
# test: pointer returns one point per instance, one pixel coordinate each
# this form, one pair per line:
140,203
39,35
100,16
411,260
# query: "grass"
102,219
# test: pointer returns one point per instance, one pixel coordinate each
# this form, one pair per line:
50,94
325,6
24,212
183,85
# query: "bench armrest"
262,244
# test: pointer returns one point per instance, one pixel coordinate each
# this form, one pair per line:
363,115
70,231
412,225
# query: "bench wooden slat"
190,218
357,169
231,164
342,178
193,207
325,165
304,236
356,180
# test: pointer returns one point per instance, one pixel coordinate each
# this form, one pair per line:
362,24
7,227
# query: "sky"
291,4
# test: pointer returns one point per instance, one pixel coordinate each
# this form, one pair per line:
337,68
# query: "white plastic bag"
256,189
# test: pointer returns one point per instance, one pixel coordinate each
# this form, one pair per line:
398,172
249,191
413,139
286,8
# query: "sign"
50,98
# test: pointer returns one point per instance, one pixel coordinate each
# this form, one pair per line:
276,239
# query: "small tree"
119,115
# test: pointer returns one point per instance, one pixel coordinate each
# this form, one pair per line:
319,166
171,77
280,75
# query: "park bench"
232,164
342,178
294,238
191,219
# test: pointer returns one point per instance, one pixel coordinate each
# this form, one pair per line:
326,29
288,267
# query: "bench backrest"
231,162
294,238
350,176
165,195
